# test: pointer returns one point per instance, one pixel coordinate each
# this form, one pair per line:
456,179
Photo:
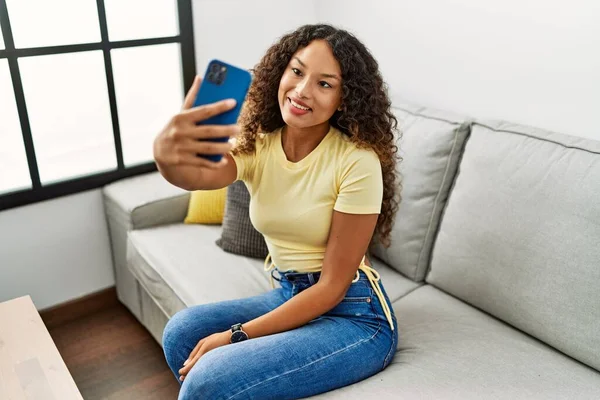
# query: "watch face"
238,336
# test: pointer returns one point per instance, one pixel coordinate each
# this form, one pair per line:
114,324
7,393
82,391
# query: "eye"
325,84
296,71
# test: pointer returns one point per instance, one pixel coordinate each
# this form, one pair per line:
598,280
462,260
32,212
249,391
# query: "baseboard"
77,308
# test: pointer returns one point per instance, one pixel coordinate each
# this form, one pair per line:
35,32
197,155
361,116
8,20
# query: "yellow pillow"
206,207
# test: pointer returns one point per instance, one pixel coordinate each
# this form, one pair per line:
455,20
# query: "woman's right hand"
177,144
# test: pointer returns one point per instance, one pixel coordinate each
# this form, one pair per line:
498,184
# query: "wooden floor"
112,356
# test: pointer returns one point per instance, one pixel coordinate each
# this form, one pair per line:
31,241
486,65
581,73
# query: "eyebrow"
333,76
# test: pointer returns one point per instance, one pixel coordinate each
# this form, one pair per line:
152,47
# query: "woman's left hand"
204,346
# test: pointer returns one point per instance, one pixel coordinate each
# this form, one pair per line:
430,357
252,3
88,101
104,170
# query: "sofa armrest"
140,202
145,201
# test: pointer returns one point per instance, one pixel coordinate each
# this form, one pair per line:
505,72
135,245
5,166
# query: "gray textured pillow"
238,235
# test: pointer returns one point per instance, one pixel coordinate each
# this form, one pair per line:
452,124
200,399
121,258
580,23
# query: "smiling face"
310,90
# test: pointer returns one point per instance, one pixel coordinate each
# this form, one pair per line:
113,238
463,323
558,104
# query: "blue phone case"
219,84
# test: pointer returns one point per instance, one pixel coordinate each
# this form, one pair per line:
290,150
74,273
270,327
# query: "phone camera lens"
216,73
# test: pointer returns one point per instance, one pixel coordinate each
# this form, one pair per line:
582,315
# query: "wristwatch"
237,334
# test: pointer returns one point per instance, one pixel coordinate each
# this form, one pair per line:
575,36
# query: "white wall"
534,62
239,32
55,250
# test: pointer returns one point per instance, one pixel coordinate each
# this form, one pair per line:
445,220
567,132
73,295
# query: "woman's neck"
299,142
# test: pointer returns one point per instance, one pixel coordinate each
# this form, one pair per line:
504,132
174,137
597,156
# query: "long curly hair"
365,116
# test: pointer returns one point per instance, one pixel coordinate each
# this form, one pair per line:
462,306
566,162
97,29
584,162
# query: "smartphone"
222,81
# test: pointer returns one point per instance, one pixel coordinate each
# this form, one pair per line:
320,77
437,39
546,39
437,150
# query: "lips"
298,104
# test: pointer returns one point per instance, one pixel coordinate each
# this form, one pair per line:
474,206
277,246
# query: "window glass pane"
149,89
141,19
69,113
14,171
37,23
1,39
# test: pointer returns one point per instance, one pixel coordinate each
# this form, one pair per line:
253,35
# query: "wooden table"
30,365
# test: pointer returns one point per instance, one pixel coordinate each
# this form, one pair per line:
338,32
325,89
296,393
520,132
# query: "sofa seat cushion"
450,350
395,284
180,265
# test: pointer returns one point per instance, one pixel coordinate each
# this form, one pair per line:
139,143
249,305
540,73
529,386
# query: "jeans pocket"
358,302
357,299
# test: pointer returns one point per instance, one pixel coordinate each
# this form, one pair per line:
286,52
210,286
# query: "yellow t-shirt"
292,203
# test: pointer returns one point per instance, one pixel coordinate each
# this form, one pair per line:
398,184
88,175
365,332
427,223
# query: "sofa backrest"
430,144
520,235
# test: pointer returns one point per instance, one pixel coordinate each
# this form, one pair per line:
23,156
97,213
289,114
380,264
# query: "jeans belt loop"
273,276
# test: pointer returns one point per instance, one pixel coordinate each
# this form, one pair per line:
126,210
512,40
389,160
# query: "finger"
201,132
192,93
185,370
213,131
201,113
194,351
208,147
188,366
194,160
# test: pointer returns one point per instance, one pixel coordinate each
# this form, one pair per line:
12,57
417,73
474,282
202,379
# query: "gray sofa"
494,268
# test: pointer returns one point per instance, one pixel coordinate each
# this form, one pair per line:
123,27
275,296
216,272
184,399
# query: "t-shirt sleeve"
245,166
361,183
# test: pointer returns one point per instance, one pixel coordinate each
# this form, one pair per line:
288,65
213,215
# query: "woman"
316,151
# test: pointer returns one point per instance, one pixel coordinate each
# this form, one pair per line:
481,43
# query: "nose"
302,89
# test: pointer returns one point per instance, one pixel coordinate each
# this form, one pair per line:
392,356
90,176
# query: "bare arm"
347,244
199,178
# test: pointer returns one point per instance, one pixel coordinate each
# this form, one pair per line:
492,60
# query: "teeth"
298,105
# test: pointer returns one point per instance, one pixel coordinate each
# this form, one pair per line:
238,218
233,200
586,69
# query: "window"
85,86
14,171
1,39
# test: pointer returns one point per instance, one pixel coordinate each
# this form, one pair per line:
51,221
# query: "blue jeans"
351,342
